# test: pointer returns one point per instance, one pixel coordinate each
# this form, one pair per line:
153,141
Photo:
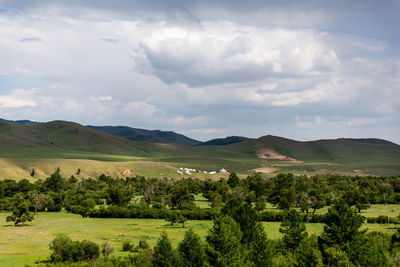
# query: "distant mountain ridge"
22,122
224,141
133,133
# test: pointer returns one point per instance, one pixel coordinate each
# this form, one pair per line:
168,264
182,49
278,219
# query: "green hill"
361,156
69,145
163,136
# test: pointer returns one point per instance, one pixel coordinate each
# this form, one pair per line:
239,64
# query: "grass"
27,244
391,210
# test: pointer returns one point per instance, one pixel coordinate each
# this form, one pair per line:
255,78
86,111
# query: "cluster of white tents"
189,171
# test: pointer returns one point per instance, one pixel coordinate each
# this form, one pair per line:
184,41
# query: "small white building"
223,171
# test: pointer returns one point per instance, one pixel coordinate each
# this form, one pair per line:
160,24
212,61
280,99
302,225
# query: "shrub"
106,249
127,245
64,249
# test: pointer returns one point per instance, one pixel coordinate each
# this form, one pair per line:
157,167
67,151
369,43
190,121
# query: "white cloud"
231,53
18,99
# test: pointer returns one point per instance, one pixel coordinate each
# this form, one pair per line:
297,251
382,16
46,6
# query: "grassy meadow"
36,235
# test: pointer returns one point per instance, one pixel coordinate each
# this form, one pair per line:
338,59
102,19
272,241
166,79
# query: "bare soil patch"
267,153
266,169
127,173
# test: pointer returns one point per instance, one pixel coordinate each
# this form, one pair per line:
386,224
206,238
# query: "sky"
304,70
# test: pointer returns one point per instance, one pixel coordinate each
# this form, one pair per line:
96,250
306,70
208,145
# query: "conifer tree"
294,230
191,250
164,255
224,243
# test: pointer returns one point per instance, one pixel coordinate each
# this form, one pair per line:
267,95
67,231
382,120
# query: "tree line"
140,197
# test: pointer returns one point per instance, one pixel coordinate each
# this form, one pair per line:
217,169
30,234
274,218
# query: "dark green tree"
55,182
118,195
395,240
233,180
224,243
284,193
260,203
25,186
20,210
182,219
342,225
306,255
260,252
173,217
293,229
246,216
191,250
355,196
181,197
164,255
342,231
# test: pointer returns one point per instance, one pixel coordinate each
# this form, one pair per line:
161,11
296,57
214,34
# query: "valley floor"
30,243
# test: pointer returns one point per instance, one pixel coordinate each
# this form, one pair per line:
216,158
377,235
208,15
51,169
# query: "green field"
391,210
35,236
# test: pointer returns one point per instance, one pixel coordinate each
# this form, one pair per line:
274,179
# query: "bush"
106,249
127,246
143,245
64,249
383,219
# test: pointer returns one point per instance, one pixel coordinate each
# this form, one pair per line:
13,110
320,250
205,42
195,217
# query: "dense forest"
237,207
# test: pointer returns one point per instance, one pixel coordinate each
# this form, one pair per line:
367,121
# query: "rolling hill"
131,133
45,146
162,136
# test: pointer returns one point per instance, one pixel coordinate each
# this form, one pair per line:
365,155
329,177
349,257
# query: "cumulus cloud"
230,53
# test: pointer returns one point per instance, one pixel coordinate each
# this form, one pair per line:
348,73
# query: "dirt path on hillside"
267,153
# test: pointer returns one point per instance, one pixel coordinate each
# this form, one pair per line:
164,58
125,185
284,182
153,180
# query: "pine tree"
224,243
342,231
260,253
191,249
164,255
293,229
246,216
305,255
